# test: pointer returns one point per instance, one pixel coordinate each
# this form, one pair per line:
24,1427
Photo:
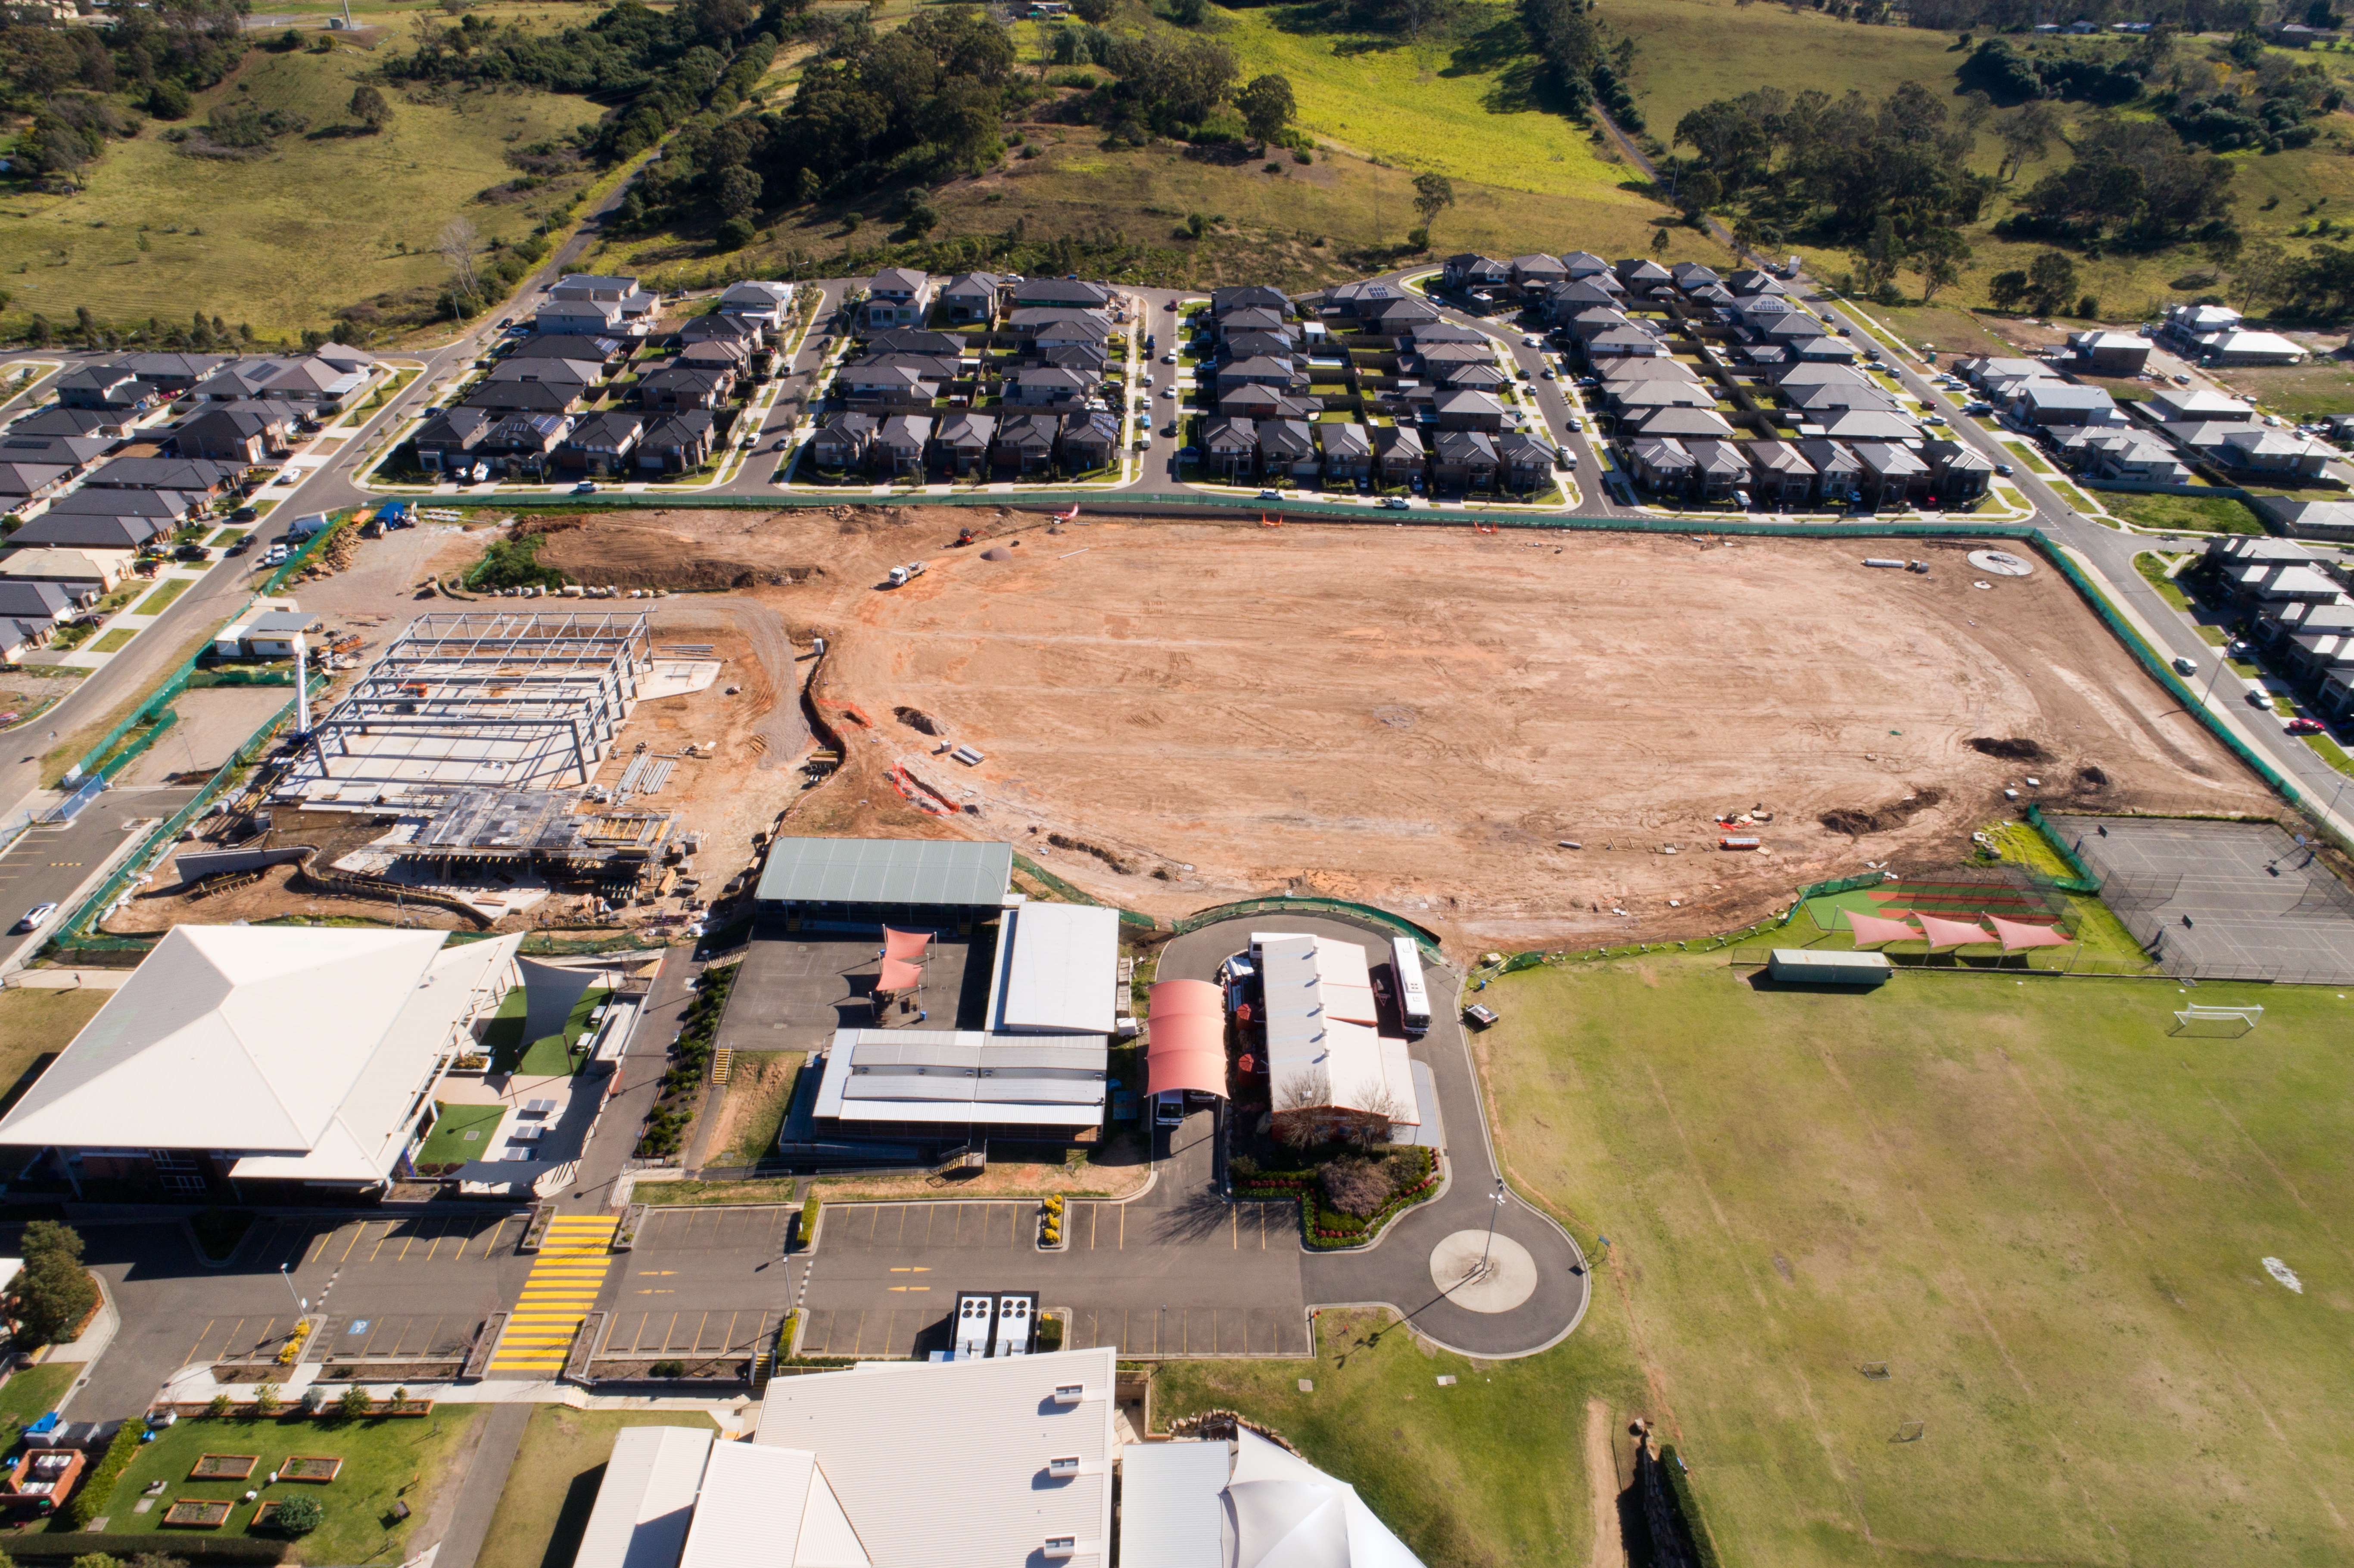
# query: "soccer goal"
2237,1020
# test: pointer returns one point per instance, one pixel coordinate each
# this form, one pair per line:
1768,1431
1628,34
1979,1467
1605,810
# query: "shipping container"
1810,967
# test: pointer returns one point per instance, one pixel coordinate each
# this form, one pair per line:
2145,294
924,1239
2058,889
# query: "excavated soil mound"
1854,824
2013,749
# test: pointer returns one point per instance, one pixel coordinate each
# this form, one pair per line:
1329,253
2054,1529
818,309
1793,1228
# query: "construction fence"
1310,904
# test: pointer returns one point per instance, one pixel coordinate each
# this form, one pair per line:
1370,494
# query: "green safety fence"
2066,852
1309,903
138,745
1064,890
1825,890
204,678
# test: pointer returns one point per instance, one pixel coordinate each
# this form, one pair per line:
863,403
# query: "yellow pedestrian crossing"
574,1257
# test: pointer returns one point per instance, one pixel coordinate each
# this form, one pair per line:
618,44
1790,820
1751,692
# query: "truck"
902,576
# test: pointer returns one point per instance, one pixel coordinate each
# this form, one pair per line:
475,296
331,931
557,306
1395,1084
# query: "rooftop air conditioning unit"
1070,1393
1065,1468
1061,1545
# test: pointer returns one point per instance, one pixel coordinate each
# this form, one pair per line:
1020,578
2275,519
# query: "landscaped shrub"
299,1516
1357,1186
91,1499
1411,1170
668,1369
355,1403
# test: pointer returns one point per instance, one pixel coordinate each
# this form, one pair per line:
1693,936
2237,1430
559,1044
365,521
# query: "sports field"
2047,1216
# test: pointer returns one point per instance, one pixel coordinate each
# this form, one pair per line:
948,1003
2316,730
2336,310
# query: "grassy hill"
319,221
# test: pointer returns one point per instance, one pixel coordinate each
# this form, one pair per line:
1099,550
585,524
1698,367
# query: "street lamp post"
1480,1270
301,1304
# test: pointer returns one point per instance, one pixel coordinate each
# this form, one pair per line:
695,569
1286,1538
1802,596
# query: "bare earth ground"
1178,714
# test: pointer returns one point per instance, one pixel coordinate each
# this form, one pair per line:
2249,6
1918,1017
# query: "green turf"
33,1392
386,1459
2191,513
2153,567
2045,1214
114,641
159,601
2332,752
548,1057
2030,456
447,1144
226,536
552,1487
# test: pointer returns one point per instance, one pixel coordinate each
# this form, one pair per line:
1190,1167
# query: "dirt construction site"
1513,739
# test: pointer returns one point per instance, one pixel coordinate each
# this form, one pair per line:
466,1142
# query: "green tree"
370,109
1094,12
96,1559
2006,289
1267,107
1699,191
1659,242
739,192
356,1404
299,1515
736,233
168,100
55,1294
1433,193
1940,256
2052,281
808,188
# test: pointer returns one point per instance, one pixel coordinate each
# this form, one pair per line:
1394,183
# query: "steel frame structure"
504,699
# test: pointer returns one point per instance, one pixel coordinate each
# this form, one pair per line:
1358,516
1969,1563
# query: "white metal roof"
769,1508
644,1501
1171,1504
961,1075
940,1463
267,1039
1061,964
1318,993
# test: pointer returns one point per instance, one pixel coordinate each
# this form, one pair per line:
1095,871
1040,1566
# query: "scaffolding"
519,700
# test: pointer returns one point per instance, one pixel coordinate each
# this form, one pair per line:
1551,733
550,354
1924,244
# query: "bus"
1414,1000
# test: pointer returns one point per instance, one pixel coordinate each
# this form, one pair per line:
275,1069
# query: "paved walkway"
485,1479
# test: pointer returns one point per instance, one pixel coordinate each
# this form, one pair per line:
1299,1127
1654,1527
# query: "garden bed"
1413,1175
223,1467
318,1469
195,1513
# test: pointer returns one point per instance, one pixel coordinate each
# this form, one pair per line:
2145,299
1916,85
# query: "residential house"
1348,452
1248,297
189,476
715,353
845,441
106,386
1662,465
1468,411
937,344
962,441
2109,454
759,302
23,484
1243,319
1087,358
1640,277
1524,462
1780,474
716,328
595,318
1565,300
1583,264
678,443
1045,326
971,297
617,290
1266,403
2050,405
1839,473
524,442
677,388
525,397
1751,280
1287,447
2242,347
1352,300
2194,405
1026,442
1720,469
1394,318
1230,446
583,377
1047,386
1871,424
2102,353
581,348
1691,277
1468,271
895,380
1089,441
247,432
80,530
448,439
1633,399
1263,344
312,381
897,297
1068,293
1827,399
1624,372
903,441
1680,424
2309,519
103,568
57,420
171,374
2274,452
1958,473
1622,343
1465,459
602,443
1281,375
44,606
1400,452
1532,275
1892,473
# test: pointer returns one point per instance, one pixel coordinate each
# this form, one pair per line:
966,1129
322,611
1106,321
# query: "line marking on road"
907,1287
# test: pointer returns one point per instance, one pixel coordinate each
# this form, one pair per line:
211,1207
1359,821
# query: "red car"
2304,727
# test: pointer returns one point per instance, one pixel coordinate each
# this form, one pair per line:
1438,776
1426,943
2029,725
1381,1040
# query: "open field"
2323,385
1490,1470
283,241
1222,711
2192,514
2047,1217
552,1485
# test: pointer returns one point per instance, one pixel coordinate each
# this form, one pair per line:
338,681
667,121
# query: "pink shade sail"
908,945
1950,933
898,974
2018,934
1871,930
1185,1038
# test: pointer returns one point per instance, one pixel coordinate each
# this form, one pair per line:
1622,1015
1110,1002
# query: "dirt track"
1417,717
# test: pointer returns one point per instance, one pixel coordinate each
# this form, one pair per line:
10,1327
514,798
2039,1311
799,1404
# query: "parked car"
1551,375
245,514
1396,503
586,487
1270,495
2304,727
2003,469
37,916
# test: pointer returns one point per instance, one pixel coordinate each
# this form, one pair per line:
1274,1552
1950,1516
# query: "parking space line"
203,1335
1123,1227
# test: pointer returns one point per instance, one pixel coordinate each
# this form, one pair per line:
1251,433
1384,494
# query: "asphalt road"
48,864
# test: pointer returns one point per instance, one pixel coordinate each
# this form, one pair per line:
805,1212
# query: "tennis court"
2220,900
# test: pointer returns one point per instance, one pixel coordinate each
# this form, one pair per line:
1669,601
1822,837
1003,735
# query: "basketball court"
2220,900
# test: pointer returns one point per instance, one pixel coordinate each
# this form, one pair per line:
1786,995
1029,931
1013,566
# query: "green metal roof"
952,873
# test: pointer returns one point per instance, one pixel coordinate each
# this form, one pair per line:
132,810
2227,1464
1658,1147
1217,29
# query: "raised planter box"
197,1513
316,1468
223,1467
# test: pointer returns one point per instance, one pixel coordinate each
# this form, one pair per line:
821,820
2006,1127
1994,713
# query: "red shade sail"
908,945
1871,930
2018,934
1950,933
898,975
1185,1039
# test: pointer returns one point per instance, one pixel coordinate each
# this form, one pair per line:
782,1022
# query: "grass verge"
2030,456
2332,752
1985,1184
2154,567
34,1392
159,601
553,1484
113,642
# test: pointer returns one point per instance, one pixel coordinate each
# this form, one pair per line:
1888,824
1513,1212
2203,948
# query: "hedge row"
99,1484
189,1548
1679,1488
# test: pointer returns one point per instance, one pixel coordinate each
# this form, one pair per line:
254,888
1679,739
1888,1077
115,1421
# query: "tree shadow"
1490,49
1198,1216
336,133
1515,90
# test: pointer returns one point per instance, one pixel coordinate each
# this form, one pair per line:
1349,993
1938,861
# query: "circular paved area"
1484,1277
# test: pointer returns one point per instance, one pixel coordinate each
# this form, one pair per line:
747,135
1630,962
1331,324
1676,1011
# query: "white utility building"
1324,1047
